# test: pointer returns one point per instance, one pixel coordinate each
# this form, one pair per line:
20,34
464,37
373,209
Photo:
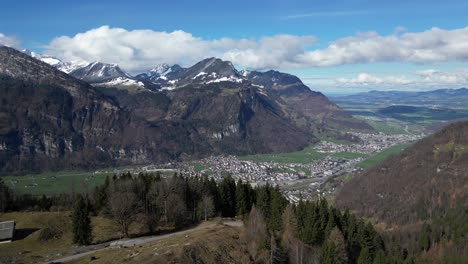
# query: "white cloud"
137,50
436,77
9,41
368,79
421,80
329,14
434,45
141,49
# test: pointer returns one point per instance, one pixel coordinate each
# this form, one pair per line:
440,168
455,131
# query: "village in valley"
304,179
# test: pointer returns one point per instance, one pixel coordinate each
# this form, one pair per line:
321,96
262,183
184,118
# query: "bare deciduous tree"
206,207
123,205
256,232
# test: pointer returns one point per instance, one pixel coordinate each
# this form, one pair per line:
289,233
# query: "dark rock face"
406,188
52,121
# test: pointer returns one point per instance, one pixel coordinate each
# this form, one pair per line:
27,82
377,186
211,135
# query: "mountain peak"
214,67
160,68
98,72
66,67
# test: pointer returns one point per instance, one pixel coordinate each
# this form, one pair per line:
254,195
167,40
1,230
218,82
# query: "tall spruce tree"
82,231
228,196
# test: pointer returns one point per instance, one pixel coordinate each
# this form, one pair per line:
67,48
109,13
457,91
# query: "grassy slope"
379,157
55,182
31,250
219,244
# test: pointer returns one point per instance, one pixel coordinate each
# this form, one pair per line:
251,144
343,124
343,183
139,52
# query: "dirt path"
141,240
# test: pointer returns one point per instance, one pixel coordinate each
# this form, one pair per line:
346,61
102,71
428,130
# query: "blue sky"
311,26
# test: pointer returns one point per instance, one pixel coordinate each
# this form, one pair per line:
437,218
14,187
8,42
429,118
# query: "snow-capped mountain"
66,67
211,70
105,74
96,73
160,72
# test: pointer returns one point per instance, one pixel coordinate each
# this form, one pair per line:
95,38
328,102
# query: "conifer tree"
81,222
364,256
228,196
241,199
278,204
327,253
425,238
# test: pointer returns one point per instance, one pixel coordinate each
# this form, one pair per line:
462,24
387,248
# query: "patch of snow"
123,81
168,88
161,69
199,74
226,79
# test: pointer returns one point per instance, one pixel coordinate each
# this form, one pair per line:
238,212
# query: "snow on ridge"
199,74
122,81
226,79
245,73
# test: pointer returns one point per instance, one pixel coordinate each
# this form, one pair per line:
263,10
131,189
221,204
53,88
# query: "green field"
348,155
198,166
306,155
55,182
379,157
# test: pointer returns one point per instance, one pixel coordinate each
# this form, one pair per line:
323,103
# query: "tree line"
276,230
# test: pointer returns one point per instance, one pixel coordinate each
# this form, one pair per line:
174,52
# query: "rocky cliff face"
51,121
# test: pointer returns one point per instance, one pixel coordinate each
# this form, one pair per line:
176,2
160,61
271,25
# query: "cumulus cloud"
437,77
434,45
138,50
426,79
141,49
368,79
9,41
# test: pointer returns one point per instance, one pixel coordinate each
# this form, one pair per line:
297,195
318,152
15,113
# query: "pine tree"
364,257
81,222
425,238
228,196
263,201
336,237
379,257
241,199
278,204
327,253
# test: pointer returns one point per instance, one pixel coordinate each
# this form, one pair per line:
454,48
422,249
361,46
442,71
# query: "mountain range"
51,120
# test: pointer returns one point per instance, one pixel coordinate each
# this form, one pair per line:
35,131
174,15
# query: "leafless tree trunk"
123,205
256,232
206,207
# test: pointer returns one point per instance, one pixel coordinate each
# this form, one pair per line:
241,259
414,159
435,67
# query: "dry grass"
30,249
219,244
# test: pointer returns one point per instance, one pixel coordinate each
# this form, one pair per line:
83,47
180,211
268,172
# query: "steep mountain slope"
159,73
50,120
104,74
429,176
66,67
305,106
